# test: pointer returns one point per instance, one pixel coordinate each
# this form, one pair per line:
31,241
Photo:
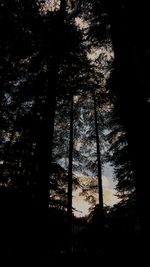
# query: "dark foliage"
54,111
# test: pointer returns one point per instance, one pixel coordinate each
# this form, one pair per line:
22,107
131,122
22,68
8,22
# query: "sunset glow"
81,206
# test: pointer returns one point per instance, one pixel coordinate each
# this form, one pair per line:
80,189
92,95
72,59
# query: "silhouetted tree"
119,156
128,85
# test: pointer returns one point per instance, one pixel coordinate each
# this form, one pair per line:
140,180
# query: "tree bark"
45,142
100,187
69,204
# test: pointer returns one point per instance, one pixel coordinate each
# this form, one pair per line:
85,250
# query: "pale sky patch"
82,206
81,23
77,145
50,5
96,52
109,197
106,183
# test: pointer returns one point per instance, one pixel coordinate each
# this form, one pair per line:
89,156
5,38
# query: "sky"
82,207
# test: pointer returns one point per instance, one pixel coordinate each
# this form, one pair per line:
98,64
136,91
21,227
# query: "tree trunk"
44,147
69,204
100,188
99,221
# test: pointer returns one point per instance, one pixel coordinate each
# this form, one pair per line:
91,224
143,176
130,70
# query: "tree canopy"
74,94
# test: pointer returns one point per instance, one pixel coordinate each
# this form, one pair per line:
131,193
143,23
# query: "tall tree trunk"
100,188
69,204
48,116
44,150
99,220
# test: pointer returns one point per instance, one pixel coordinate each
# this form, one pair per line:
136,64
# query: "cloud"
106,182
81,206
109,192
109,197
